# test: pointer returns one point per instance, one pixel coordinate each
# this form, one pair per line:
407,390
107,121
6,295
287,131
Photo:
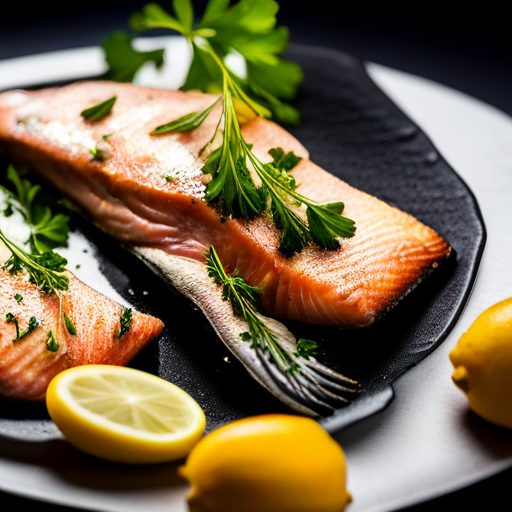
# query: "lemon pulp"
124,415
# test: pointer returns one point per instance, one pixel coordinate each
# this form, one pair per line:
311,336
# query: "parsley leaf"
48,230
51,343
185,123
18,298
246,28
70,326
125,323
306,348
284,161
99,111
123,60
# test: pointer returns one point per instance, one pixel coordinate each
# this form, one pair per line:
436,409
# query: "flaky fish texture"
128,196
27,365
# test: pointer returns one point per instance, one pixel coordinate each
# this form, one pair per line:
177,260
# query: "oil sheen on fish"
27,365
128,196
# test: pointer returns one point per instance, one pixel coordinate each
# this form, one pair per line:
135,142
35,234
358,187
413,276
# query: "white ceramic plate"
425,443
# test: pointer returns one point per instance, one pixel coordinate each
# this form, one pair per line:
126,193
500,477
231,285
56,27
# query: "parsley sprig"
248,28
46,270
48,230
245,301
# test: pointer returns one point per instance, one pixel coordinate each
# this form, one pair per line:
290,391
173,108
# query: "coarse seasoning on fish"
28,362
148,192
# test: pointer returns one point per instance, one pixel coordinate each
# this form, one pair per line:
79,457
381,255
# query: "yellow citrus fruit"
244,113
124,415
268,463
483,364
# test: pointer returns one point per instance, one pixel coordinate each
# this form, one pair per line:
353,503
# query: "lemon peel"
482,361
271,463
124,415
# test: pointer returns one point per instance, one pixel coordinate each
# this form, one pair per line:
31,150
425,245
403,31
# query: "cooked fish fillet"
27,366
128,196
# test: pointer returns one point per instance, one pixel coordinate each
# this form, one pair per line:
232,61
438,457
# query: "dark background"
468,48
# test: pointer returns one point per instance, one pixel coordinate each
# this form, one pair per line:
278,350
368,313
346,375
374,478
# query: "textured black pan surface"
357,133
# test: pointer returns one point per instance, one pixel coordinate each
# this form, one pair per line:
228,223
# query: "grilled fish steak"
128,196
169,226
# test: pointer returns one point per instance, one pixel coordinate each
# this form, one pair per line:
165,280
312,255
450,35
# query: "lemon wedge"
124,415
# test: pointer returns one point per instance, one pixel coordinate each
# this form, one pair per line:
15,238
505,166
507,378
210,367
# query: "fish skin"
27,366
128,197
190,278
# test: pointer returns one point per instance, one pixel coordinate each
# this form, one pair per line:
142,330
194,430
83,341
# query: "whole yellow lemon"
483,364
268,463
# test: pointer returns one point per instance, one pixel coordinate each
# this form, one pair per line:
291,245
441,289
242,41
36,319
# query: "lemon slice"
124,415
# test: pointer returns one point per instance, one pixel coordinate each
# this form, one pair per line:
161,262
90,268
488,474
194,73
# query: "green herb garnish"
32,325
97,152
124,323
245,301
51,343
123,60
284,161
48,230
248,28
18,297
306,348
70,326
99,111
8,210
46,270
186,123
